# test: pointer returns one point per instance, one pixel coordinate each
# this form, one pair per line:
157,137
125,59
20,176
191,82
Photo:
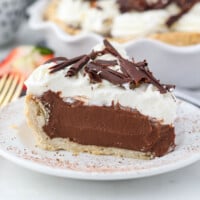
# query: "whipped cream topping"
154,21
105,18
100,20
139,23
72,12
147,99
80,13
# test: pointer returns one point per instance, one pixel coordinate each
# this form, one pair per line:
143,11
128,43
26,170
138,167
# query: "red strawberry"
24,59
6,64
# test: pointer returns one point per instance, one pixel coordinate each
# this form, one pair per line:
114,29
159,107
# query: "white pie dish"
171,64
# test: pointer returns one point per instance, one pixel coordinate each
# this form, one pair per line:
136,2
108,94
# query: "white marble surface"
21,184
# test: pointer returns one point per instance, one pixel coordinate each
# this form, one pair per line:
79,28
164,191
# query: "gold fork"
11,86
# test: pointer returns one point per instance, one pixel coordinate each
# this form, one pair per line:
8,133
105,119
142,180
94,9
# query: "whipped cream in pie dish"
101,103
97,18
125,18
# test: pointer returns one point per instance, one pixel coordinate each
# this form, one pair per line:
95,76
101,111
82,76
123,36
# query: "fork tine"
2,81
18,89
11,91
6,87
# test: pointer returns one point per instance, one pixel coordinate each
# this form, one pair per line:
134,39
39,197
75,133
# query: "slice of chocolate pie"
101,103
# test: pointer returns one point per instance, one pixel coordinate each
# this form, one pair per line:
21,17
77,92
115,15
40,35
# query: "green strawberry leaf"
44,50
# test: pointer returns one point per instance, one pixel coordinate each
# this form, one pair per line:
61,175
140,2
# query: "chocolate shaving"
94,54
174,18
185,3
106,63
99,72
142,64
143,5
57,67
151,79
137,72
57,59
64,64
131,72
159,4
94,76
185,6
128,5
78,66
111,49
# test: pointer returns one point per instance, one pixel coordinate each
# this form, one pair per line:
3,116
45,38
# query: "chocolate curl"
185,6
139,73
128,5
143,5
106,63
94,76
132,73
132,70
142,64
111,49
151,79
74,69
99,72
160,4
57,59
60,66
173,19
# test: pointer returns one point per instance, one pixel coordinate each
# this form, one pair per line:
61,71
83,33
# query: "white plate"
17,145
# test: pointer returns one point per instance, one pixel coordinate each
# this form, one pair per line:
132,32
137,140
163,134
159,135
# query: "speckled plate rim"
189,158
95,175
37,23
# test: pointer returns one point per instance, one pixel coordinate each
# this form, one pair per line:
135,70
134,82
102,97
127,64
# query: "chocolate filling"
113,126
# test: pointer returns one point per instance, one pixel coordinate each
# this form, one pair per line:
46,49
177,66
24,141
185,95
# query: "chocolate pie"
101,103
173,21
